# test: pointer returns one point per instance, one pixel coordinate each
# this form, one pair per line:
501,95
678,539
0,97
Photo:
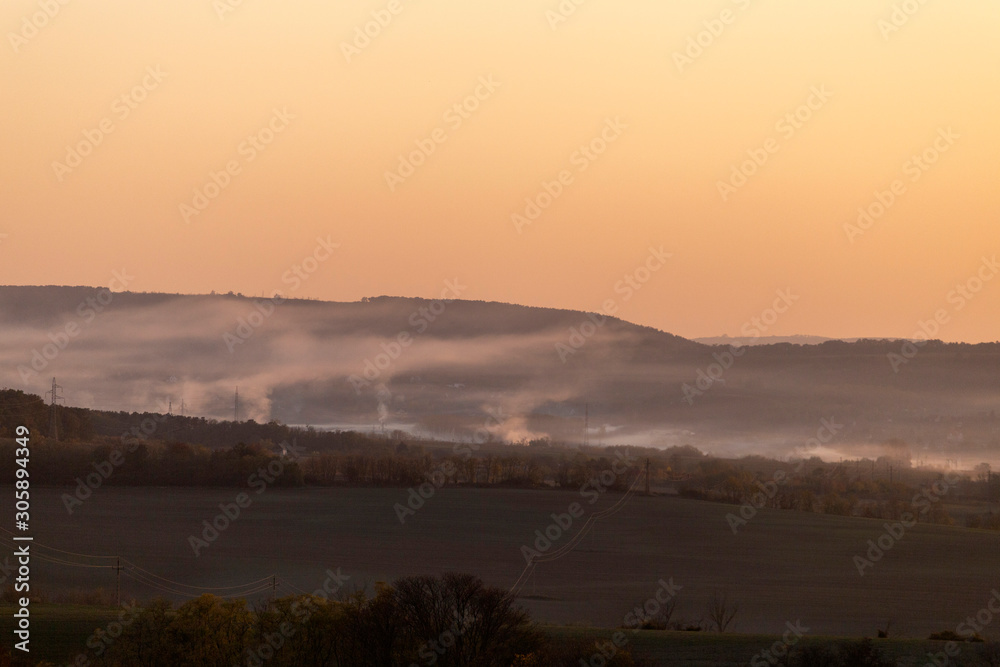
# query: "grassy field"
60,633
709,649
780,567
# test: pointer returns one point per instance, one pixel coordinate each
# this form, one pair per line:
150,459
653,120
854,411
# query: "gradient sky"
656,184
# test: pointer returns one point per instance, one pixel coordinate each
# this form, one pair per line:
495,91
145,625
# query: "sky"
536,152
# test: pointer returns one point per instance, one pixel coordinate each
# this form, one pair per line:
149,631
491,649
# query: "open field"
709,649
782,566
60,632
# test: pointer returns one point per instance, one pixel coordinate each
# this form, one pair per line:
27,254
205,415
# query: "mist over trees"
142,449
943,399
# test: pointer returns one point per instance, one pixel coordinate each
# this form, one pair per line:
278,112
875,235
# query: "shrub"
455,618
863,654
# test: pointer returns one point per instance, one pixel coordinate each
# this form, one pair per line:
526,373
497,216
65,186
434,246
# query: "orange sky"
198,82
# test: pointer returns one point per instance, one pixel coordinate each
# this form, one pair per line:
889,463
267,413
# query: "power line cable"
142,574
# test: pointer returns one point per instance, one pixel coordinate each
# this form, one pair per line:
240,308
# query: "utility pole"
118,581
236,409
586,424
53,418
274,587
182,407
170,406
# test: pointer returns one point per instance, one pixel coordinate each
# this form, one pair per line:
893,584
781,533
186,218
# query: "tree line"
137,462
849,489
172,450
449,621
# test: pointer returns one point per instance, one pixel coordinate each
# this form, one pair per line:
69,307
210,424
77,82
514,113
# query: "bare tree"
721,611
666,613
661,620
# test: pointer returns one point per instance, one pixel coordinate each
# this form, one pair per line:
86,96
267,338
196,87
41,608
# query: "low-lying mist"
448,369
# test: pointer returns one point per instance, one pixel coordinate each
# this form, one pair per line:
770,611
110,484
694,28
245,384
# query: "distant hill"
774,340
766,340
449,369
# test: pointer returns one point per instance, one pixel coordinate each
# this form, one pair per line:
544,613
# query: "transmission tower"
586,424
53,417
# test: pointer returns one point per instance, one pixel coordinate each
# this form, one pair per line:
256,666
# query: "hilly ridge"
522,372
